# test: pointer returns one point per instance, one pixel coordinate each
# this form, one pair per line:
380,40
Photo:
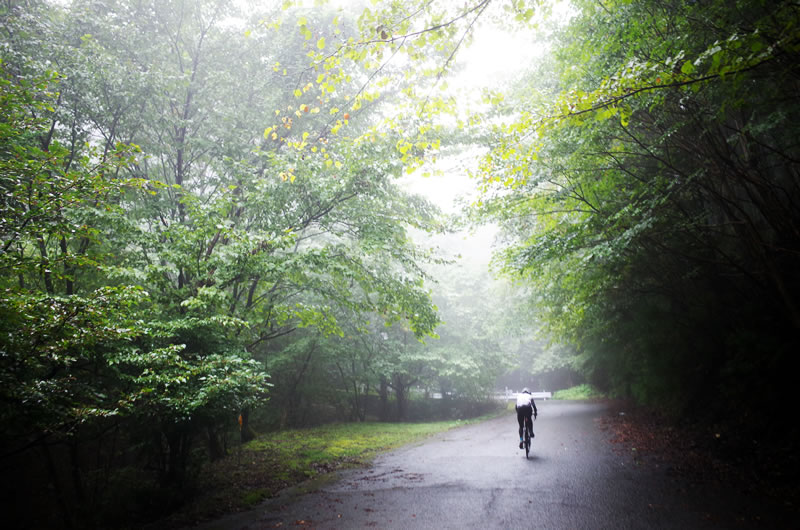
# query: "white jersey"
524,399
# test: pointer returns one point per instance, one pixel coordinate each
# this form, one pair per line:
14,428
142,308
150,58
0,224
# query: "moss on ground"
275,461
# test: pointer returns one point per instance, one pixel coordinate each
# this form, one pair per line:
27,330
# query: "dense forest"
205,234
647,184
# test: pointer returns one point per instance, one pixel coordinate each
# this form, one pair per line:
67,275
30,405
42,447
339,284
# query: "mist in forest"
226,220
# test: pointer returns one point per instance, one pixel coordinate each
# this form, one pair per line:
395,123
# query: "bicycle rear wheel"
527,440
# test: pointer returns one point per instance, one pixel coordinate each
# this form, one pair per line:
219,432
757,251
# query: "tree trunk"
215,450
246,433
178,457
401,394
67,515
77,481
362,411
45,265
383,392
69,270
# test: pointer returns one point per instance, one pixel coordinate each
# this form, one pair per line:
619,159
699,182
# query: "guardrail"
511,396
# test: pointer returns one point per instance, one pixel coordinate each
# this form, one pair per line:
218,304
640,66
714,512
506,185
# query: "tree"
649,197
187,192
142,277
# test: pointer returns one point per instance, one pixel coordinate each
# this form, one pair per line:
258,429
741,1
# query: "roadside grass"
578,392
311,450
275,461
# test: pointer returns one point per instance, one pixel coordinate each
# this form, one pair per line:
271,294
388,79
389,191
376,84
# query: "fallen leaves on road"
695,453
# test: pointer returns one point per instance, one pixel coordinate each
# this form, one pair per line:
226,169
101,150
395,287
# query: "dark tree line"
651,196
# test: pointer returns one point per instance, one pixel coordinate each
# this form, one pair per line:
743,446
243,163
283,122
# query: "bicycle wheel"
527,441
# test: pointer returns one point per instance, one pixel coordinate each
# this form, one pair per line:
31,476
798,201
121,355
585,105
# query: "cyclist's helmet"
526,391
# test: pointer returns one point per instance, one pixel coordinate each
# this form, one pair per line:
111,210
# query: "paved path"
477,477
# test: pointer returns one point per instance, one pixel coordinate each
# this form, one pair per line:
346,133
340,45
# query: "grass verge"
579,392
275,461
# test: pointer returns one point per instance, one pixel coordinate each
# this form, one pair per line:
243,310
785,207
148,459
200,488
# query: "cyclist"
525,408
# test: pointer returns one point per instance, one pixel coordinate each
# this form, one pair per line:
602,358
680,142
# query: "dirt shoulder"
702,454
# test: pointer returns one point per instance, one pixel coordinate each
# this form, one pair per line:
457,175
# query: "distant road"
477,477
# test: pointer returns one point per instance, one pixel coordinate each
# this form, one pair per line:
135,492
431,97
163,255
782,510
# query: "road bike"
527,433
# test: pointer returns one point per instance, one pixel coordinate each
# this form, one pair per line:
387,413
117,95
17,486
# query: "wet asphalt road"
477,477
